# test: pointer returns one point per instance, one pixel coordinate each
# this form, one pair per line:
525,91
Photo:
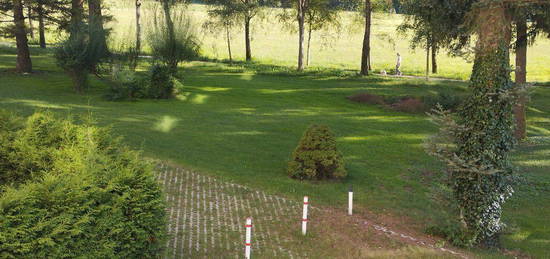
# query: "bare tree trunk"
138,26
228,36
521,78
301,20
41,26
24,64
434,58
77,13
428,59
365,57
308,54
31,25
96,31
247,38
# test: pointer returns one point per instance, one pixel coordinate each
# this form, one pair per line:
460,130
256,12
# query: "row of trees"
446,24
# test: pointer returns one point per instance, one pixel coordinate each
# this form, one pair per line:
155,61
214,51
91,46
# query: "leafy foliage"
157,83
476,145
316,156
74,191
172,48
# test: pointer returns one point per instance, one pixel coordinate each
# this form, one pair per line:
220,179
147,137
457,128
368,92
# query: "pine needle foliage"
317,157
73,191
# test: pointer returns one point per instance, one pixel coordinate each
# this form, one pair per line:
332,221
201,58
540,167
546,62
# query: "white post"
248,237
304,217
350,200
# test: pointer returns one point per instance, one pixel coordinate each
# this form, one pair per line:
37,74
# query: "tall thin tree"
365,57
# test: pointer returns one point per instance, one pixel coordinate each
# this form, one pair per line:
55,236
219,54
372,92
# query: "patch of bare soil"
366,235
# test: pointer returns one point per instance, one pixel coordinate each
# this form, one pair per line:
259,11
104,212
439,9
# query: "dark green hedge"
72,190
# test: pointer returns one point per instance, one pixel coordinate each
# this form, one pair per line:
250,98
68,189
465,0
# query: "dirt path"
207,216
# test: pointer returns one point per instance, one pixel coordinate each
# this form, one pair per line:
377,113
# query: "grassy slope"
243,126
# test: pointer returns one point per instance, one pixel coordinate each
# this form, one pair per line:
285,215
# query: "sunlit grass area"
239,125
274,43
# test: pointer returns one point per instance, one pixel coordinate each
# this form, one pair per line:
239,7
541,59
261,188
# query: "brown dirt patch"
409,104
367,98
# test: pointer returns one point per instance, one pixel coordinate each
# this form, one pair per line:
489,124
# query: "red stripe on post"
304,220
247,244
247,226
306,203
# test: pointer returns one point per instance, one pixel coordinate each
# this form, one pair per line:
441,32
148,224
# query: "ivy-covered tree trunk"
521,77
24,64
482,179
365,56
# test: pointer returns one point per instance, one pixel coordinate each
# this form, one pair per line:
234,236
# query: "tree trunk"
24,64
247,38
434,58
301,20
521,78
308,53
41,26
487,119
428,59
77,13
138,26
171,33
228,36
97,33
31,26
365,57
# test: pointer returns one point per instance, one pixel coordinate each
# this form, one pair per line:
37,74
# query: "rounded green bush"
73,191
316,156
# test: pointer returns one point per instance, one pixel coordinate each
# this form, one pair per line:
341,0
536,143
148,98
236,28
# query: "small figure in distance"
383,72
398,65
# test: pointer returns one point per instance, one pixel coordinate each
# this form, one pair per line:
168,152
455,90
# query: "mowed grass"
273,43
241,126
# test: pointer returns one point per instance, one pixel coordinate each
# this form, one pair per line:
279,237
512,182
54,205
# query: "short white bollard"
248,237
350,200
304,217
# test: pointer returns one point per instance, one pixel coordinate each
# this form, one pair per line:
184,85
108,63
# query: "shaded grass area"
242,126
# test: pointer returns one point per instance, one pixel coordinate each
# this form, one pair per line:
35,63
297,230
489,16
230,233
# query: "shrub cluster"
316,156
70,191
157,83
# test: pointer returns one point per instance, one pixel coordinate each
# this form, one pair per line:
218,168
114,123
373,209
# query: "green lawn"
242,126
275,44
272,43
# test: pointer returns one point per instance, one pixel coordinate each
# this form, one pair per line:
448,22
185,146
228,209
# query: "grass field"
273,44
241,126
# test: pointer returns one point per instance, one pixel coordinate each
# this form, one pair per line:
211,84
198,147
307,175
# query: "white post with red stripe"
350,201
248,238
304,217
